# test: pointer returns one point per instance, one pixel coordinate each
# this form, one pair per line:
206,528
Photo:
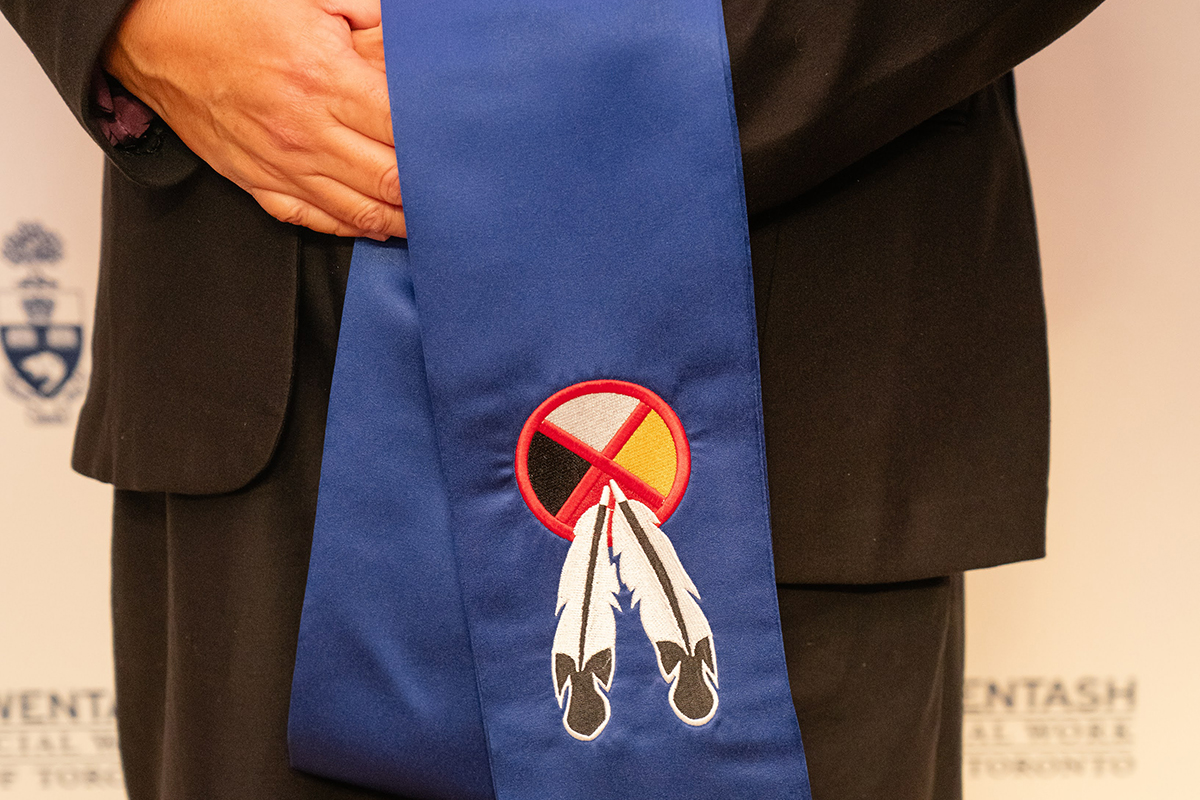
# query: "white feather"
653,596
602,628
580,635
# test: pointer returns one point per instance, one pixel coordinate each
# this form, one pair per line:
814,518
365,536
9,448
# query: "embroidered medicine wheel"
593,432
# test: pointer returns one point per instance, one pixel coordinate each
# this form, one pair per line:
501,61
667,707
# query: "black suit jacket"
899,303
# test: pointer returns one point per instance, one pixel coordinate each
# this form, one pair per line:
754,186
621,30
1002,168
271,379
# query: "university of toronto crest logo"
41,328
603,464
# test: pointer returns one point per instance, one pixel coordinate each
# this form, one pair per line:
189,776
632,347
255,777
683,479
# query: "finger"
369,45
363,164
295,211
360,100
349,206
359,13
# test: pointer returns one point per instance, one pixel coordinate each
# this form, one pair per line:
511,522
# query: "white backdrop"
1097,647
1080,667
57,735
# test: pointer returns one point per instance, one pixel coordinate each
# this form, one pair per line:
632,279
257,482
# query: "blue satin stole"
542,562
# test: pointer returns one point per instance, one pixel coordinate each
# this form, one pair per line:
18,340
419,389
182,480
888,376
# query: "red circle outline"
683,457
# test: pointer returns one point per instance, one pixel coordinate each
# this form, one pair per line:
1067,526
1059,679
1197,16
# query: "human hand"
273,95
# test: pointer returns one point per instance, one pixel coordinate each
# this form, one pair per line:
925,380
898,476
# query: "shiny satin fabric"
383,693
573,190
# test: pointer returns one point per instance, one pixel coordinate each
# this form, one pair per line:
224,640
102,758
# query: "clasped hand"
286,98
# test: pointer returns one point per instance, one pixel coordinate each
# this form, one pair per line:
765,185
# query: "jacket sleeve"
818,84
67,37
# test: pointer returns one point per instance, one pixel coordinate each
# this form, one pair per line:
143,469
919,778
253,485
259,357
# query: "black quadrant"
554,471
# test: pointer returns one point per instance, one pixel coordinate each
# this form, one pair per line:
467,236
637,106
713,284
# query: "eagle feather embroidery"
584,651
671,616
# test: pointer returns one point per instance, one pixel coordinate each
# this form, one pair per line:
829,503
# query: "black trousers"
207,592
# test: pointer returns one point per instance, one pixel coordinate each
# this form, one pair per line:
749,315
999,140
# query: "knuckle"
370,217
313,65
389,185
306,68
288,138
310,77
292,212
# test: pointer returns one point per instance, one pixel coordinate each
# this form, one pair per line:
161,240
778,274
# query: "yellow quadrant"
650,454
